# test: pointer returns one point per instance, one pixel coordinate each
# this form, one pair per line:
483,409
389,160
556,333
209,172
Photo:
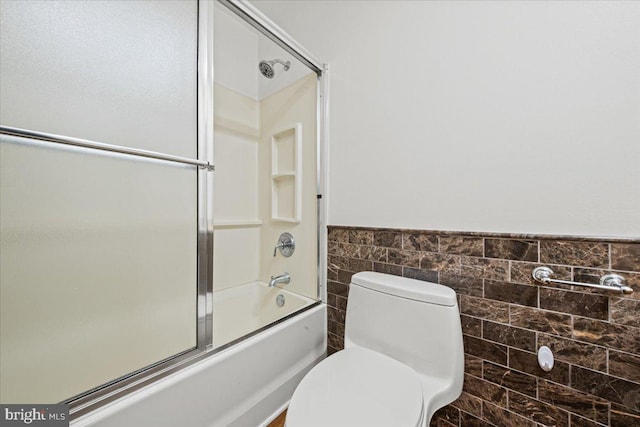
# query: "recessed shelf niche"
286,161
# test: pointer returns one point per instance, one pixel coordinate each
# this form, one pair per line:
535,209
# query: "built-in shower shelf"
283,175
237,224
286,164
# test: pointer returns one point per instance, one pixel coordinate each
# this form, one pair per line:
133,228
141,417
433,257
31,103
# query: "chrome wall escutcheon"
542,274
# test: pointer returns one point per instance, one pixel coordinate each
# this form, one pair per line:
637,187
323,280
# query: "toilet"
403,358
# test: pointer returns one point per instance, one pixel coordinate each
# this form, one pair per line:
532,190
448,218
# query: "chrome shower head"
267,67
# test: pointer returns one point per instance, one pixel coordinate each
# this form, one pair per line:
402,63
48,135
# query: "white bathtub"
240,310
245,384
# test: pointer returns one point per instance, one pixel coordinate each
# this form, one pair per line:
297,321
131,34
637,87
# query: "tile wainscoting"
506,316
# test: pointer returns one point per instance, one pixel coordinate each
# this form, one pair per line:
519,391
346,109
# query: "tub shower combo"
162,215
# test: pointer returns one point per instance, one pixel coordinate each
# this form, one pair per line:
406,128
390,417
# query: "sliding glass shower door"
98,250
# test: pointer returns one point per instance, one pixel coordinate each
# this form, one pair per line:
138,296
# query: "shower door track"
77,142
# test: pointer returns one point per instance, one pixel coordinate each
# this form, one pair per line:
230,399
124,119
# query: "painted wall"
479,116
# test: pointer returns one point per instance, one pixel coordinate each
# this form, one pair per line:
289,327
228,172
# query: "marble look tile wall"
506,317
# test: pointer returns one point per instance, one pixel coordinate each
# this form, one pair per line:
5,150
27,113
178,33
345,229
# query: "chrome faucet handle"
286,244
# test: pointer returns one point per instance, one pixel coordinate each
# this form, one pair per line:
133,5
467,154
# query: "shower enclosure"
153,154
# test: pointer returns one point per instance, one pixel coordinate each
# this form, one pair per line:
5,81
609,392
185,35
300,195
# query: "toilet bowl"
403,358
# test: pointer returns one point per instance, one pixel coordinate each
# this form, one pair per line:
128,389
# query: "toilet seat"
357,387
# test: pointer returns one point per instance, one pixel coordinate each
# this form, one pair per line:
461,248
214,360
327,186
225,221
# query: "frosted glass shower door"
98,251
97,266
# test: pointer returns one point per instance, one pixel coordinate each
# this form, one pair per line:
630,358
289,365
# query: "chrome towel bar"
77,142
608,282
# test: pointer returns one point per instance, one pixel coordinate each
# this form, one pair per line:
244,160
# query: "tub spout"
283,278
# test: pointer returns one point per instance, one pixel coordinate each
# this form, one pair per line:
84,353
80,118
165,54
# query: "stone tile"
625,256
485,349
625,311
511,292
591,275
335,315
357,265
579,303
417,241
335,341
471,326
338,235
538,411
525,361
576,353
332,274
521,250
510,378
344,277
623,417
347,250
574,401
361,237
607,387
501,417
338,262
624,365
473,365
509,335
486,309
468,403
388,239
540,320
448,413
437,421
485,268
404,258
331,300
373,253
337,288
468,420
485,390
332,247
419,274
380,267
336,328
522,272
441,262
578,421
462,285
607,334
585,254
341,303
461,245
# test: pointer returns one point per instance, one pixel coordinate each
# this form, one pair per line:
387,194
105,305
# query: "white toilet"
402,360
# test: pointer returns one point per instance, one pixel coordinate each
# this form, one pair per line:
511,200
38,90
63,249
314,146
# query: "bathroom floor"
279,421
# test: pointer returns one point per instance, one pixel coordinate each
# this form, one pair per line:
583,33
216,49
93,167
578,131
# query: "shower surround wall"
506,317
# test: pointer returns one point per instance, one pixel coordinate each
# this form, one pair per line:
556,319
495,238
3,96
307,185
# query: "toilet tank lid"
406,288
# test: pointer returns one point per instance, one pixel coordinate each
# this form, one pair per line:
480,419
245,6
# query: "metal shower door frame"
93,399
250,14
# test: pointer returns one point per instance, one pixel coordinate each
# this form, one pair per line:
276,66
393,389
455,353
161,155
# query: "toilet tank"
412,321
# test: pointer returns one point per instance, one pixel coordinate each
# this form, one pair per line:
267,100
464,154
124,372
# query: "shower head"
267,67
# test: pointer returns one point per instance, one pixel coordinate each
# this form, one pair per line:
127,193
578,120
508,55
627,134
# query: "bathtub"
240,310
245,381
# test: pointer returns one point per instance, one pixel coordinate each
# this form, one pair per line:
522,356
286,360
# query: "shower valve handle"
286,244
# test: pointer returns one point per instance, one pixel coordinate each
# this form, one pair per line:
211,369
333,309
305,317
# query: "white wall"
479,116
